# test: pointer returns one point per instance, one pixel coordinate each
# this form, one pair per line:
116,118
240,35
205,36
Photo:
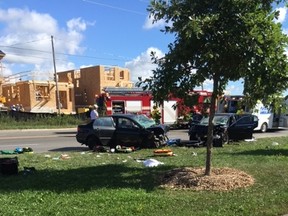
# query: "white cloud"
149,23
76,25
234,88
282,14
26,40
85,66
5,70
142,66
26,21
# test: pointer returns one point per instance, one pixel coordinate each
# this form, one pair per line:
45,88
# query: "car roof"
122,115
231,114
117,115
224,114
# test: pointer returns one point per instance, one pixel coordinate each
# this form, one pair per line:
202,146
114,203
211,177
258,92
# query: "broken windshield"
218,119
144,121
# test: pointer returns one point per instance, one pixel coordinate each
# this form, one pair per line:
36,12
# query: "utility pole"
2,55
56,78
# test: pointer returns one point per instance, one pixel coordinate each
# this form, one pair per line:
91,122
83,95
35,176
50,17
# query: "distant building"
77,89
1,83
40,96
90,82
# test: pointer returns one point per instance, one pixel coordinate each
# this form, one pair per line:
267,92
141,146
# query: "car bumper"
80,139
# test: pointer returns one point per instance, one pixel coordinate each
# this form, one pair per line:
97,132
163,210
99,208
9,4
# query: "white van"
265,116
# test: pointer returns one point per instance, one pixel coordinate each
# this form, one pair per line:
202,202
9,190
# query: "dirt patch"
221,179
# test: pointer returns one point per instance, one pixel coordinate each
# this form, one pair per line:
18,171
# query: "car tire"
165,139
192,137
264,127
217,143
156,143
92,142
160,141
225,138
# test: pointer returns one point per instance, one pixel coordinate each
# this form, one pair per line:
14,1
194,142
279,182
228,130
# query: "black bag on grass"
9,166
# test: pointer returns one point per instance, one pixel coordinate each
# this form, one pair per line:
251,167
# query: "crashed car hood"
159,129
214,125
202,129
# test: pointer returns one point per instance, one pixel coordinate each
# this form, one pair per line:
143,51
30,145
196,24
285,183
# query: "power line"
114,7
65,54
32,56
20,48
19,73
27,42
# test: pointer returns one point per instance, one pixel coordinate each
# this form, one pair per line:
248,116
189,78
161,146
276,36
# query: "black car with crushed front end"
127,130
226,127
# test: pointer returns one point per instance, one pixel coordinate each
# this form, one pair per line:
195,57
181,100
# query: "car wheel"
192,137
217,142
156,143
264,127
92,142
225,138
160,140
165,139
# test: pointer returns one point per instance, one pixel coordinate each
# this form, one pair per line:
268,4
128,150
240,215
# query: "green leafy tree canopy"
223,40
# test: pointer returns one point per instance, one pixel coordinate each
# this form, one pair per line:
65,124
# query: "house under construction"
76,89
39,96
89,82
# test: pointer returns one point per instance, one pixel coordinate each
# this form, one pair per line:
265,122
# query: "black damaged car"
123,129
226,127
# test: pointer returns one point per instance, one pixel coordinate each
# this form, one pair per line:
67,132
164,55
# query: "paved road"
56,140
63,140
183,134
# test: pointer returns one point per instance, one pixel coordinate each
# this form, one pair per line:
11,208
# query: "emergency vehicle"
268,118
136,100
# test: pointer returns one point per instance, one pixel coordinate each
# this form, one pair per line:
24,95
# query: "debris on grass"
152,163
275,143
250,140
163,152
62,157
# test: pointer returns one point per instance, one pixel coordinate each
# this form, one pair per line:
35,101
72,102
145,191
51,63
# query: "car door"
242,128
104,128
128,132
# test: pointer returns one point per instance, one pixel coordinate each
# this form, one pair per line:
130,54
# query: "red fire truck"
127,100
136,100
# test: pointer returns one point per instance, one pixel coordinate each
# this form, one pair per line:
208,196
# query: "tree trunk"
209,143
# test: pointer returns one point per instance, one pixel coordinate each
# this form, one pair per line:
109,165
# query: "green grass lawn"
90,183
62,121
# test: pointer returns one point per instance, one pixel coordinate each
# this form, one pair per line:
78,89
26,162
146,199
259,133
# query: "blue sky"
85,33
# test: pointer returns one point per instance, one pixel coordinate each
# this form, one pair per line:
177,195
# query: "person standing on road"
94,114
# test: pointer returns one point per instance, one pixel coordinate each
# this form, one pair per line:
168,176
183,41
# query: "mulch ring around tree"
220,179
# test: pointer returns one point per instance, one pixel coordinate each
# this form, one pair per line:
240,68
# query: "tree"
224,40
155,114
